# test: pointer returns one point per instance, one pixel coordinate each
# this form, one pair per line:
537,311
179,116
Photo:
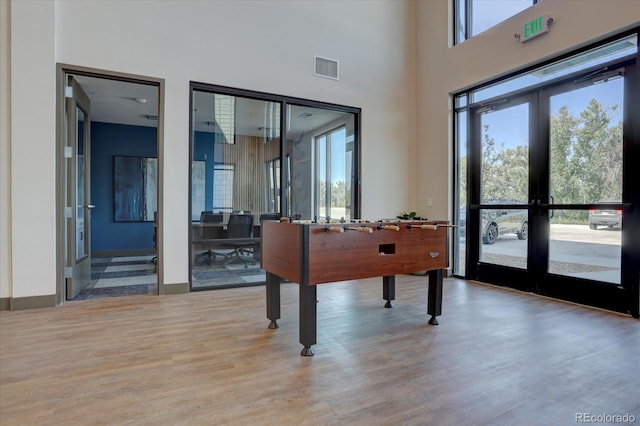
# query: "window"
475,16
272,183
545,180
254,154
223,187
321,168
333,167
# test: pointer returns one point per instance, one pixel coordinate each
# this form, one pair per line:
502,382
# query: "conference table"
212,236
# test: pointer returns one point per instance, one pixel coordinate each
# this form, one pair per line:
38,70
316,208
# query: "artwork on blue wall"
198,174
135,188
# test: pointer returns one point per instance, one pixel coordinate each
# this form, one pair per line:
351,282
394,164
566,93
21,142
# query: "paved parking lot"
582,233
574,250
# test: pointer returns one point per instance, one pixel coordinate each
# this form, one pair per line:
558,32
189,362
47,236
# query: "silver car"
504,221
608,218
496,222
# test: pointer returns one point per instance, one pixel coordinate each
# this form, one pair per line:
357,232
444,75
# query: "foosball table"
315,253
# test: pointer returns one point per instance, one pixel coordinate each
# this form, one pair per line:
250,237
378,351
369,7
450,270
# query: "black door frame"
624,297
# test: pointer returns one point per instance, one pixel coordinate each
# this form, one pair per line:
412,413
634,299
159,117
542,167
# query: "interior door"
77,153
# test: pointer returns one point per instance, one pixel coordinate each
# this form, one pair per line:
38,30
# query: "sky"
509,126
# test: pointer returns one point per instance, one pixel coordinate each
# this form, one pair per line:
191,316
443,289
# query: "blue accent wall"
109,140
204,147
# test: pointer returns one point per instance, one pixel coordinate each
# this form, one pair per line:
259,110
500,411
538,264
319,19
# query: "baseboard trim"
5,303
179,288
32,302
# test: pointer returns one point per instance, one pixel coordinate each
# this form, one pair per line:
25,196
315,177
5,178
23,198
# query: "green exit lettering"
534,28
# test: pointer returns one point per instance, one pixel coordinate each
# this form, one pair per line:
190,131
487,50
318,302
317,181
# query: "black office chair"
257,250
206,232
240,226
269,216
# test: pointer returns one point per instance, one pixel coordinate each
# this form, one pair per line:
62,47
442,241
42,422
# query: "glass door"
551,187
584,208
499,210
77,152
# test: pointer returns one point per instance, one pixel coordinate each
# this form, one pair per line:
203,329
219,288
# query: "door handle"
90,206
551,196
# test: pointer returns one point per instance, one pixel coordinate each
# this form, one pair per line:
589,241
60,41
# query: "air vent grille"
325,67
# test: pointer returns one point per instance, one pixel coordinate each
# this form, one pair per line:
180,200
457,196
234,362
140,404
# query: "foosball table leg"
389,289
434,304
307,318
273,299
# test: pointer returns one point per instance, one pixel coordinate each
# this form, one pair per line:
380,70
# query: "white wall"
258,45
401,81
443,70
32,149
5,164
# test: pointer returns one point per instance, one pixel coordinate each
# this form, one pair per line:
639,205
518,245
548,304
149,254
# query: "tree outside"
585,163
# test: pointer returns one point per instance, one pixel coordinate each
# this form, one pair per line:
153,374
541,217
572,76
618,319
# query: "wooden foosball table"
315,253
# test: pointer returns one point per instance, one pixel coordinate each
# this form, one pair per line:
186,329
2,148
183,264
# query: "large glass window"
569,118
545,193
259,157
236,140
332,168
320,149
460,249
475,16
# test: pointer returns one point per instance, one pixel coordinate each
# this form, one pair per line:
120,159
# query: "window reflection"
236,153
320,148
238,169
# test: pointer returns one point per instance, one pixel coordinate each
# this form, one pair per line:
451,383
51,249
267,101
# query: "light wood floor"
497,357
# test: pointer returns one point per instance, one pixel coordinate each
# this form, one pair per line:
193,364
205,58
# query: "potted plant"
410,216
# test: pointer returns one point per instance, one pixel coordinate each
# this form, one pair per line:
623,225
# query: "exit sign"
534,28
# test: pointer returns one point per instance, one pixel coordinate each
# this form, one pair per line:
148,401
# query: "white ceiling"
114,101
121,102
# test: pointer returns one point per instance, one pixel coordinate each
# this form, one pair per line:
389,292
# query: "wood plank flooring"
498,357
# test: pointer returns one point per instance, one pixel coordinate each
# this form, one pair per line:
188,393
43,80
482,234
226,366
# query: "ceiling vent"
327,68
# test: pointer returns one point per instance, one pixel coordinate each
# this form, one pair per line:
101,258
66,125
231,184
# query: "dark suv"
496,222
504,221
608,218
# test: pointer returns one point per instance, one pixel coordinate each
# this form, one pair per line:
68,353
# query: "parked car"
608,218
504,221
496,222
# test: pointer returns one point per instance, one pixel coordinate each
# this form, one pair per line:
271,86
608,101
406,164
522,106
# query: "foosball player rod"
359,229
389,227
432,227
338,229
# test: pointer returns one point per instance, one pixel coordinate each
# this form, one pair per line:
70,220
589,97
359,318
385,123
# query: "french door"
552,190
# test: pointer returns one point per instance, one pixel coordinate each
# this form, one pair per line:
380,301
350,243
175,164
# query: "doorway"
108,168
551,188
